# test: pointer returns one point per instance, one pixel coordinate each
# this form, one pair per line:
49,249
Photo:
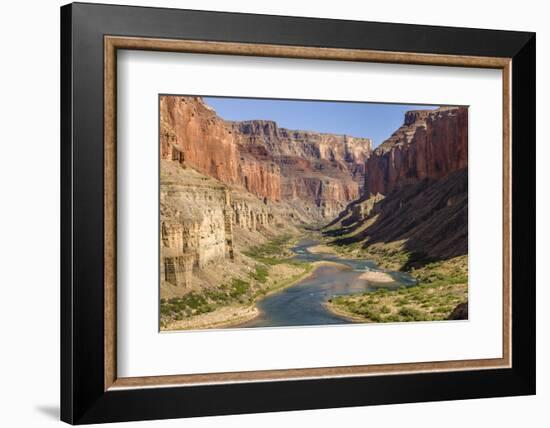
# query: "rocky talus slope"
416,192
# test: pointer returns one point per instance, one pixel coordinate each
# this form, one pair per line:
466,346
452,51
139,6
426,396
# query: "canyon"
227,187
322,171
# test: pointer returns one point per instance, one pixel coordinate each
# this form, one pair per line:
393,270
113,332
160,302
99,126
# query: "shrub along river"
304,302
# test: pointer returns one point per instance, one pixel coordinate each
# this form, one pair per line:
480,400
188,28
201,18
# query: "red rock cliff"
192,133
429,144
324,170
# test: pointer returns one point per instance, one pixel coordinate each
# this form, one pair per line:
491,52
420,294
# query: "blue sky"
372,120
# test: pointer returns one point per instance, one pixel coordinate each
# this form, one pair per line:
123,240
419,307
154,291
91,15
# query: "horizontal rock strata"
327,171
416,190
429,144
198,220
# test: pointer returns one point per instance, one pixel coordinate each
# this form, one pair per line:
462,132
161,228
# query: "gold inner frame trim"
113,43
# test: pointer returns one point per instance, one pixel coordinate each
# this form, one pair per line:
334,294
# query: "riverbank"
220,318
344,313
389,256
283,263
292,282
271,268
322,249
235,315
443,286
377,276
238,285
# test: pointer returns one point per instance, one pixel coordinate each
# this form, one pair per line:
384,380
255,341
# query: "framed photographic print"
265,213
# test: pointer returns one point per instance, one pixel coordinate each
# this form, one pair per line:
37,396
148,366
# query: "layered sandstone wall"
345,149
429,145
195,228
198,216
191,133
326,171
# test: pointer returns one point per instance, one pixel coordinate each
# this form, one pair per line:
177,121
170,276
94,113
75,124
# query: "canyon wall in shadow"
415,196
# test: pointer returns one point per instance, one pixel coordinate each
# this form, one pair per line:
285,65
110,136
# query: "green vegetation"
180,307
244,290
443,285
273,252
260,274
238,288
193,303
453,271
388,256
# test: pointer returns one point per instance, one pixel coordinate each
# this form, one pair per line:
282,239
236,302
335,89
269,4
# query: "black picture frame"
83,398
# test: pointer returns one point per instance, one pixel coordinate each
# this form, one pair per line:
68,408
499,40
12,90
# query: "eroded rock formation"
324,170
429,144
195,223
198,216
192,133
416,190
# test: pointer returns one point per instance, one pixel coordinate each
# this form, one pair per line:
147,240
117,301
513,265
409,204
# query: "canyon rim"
265,225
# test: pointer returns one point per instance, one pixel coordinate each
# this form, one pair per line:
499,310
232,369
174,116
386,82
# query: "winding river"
303,303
